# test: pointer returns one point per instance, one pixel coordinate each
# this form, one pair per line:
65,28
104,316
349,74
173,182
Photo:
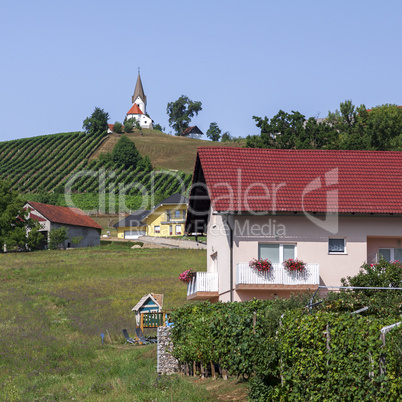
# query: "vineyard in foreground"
345,347
44,167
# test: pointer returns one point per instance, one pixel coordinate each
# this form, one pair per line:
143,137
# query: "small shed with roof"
193,132
150,303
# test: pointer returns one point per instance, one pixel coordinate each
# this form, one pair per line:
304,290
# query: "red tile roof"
64,215
266,180
135,109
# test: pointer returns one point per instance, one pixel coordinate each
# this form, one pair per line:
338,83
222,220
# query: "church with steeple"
138,110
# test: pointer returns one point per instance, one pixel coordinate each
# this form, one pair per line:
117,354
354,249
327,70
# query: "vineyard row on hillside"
60,162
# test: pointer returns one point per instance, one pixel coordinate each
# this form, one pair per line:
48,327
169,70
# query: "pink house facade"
334,210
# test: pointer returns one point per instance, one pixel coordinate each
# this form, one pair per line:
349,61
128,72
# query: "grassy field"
165,151
55,305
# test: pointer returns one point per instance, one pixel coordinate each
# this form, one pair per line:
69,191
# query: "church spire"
139,90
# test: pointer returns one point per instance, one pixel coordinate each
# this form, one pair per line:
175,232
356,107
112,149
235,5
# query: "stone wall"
167,364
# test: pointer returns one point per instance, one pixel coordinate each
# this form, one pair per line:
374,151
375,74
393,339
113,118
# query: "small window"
336,246
184,214
177,214
168,215
157,229
178,229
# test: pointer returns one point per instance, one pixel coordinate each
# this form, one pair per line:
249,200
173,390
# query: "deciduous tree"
214,132
226,137
15,225
97,122
180,113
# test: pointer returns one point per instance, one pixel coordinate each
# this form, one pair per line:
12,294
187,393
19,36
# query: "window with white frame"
276,253
178,229
390,254
337,246
157,229
177,214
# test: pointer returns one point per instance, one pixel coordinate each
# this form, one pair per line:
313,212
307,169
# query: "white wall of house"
145,121
363,236
195,136
218,253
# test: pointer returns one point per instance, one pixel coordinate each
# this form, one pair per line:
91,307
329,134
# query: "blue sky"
62,59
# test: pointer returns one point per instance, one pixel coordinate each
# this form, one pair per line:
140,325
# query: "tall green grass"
55,305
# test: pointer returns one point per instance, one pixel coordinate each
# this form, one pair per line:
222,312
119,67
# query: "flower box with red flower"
294,265
187,276
260,265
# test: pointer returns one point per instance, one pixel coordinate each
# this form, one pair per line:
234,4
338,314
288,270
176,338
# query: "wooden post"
202,370
213,374
328,336
108,335
142,322
224,374
163,319
194,369
382,356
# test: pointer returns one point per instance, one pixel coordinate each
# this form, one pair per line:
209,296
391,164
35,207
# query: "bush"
118,127
57,237
125,153
128,126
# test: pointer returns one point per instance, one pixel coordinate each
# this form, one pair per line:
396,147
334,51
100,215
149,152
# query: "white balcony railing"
203,282
278,275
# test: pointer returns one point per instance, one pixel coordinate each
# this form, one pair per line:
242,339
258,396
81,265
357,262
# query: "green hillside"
166,151
43,167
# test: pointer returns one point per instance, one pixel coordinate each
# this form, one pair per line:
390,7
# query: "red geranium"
260,265
294,265
187,276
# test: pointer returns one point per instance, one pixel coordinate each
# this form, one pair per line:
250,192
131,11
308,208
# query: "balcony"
203,286
277,278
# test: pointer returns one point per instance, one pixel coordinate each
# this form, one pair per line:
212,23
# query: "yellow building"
165,220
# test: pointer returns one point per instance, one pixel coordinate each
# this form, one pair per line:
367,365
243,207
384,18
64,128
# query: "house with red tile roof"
75,220
334,210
